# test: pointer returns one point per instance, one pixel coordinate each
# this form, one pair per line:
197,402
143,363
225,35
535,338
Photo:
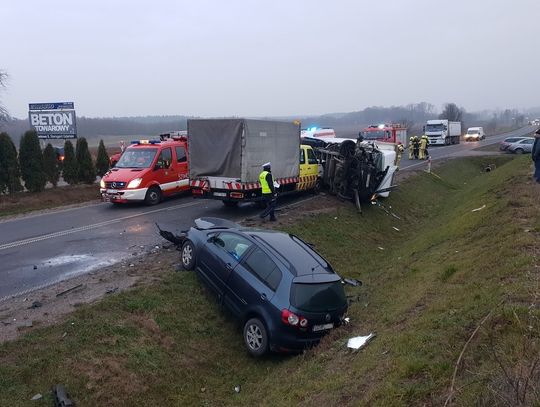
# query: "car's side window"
528,141
165,158
232,243
311,157
302,156
181,155
262,266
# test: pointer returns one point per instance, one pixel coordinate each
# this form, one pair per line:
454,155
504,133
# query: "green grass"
424,293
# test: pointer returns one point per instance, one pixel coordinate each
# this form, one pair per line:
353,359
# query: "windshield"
318,297
435,127
137,158
373,135
472,132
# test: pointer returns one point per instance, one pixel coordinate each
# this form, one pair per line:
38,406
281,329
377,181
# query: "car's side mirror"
211,239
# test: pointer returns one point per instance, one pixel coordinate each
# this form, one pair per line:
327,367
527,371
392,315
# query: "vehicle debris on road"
359,341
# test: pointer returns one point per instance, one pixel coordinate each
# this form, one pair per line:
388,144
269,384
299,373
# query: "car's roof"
301,259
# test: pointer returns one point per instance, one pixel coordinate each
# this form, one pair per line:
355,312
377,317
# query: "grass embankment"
426,288
23,202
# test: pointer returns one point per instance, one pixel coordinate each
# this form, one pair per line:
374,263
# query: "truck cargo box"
237,148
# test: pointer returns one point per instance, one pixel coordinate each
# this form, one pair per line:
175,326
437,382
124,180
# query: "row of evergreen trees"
37,167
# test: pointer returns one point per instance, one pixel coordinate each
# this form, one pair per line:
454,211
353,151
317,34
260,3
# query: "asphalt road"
39,250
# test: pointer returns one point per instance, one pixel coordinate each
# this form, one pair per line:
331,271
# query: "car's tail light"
290,318
237,195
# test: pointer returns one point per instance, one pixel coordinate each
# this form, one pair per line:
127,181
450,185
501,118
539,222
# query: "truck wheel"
230,204
153,196
446,141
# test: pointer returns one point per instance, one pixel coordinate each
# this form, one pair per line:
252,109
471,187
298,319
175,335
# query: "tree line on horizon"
34,167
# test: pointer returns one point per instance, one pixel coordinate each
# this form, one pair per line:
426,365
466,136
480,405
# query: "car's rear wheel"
518,151
255,337
153,196
188,255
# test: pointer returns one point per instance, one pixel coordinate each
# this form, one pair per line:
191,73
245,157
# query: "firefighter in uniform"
411,152
268,192
416,147
423,147
426,139
399,153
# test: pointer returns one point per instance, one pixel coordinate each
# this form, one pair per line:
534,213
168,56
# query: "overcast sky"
273,57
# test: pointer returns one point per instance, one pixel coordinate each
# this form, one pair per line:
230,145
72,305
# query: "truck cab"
147,171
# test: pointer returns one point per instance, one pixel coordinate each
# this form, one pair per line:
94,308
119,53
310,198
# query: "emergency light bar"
145,142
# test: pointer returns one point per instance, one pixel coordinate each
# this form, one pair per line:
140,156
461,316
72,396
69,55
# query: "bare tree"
4,115
452,112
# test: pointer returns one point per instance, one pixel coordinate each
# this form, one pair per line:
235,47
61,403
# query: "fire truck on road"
389,133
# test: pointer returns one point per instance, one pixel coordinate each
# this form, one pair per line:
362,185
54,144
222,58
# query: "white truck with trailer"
442,132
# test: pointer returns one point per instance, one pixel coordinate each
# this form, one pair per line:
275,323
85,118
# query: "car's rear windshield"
318,297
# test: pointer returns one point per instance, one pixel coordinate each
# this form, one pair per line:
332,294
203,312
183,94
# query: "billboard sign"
53,120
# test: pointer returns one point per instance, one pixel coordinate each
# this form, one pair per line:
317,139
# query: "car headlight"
134,183
102,183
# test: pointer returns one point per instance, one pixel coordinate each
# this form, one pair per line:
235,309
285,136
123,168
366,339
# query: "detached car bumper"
123,195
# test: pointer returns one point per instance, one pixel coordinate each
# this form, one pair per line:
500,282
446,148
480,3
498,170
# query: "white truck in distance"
442,132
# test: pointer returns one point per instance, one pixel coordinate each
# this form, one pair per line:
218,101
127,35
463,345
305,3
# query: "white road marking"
88,227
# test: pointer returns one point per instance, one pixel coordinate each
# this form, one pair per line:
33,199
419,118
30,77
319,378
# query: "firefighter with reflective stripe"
426,154
423,146
399,153
416,147
268,192
411,152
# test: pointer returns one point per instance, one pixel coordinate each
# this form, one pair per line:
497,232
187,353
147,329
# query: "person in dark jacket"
535,155
268,192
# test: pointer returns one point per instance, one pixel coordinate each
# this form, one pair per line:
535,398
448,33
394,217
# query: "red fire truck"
389,133
148,170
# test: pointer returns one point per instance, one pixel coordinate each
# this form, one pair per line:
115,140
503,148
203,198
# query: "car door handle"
228,266
263,297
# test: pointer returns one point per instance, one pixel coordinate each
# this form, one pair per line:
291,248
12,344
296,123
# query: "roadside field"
450,267
23,202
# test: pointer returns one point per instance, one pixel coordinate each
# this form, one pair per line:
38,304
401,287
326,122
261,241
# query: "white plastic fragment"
395,228
479,209
381,248
237,388
359,341
36,397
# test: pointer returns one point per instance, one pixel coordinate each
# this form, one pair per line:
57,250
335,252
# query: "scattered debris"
359,341
131,265
395,228
490,168
347,320
60,397
35,304
381,248
35,267
37,397
70,290
479,209
237,388
203,389
111,290
64,335
28,324
352,281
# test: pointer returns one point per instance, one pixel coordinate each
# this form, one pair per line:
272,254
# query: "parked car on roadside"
284,293
521,146
509,140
